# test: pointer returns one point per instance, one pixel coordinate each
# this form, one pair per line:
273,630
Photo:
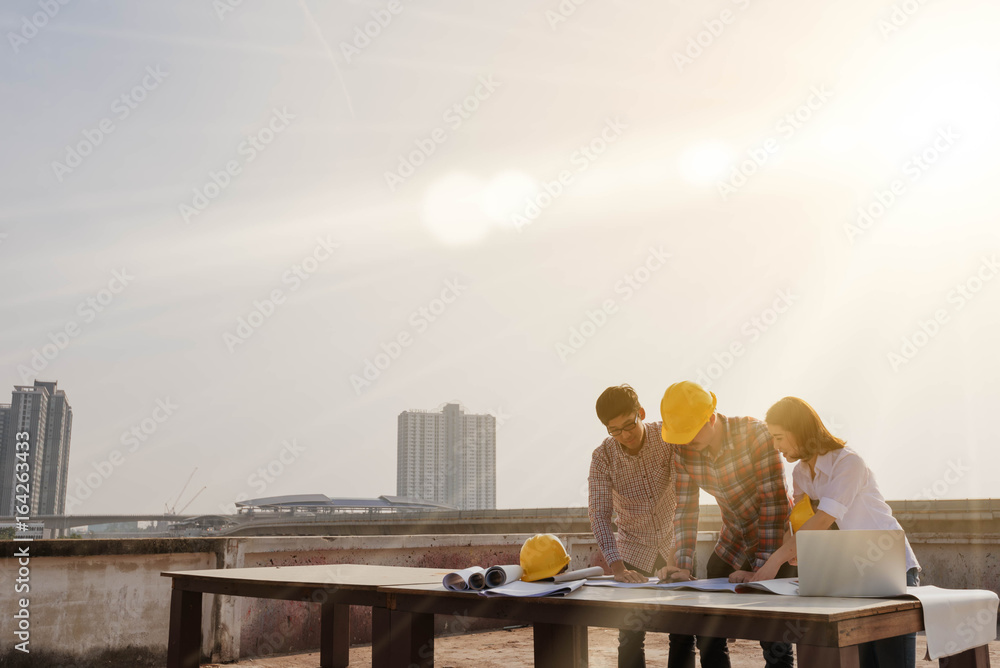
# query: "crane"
171,508
192,499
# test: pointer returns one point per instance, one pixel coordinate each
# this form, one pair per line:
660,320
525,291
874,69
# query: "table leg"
411,640
815,656
977,657
560,646
184,639
381,632
335,635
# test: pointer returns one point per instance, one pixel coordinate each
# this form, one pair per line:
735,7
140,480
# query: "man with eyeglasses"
632,475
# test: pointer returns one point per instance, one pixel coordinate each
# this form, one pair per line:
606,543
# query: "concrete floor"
513,648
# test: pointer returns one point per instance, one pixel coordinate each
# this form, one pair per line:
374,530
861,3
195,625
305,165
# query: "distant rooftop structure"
209,522
321,503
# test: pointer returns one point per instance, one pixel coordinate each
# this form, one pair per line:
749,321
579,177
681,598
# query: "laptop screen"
866,563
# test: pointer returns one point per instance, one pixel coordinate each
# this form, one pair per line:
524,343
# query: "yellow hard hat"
801,512
542,556
685,409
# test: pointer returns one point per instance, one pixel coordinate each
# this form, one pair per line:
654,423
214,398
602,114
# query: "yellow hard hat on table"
542,556
685,409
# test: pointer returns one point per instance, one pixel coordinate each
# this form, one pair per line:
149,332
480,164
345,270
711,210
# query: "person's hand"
741,576
794,561
674,574
630,576
766,572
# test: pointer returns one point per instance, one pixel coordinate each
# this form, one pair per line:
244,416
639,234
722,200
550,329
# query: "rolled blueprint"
501,575
473,578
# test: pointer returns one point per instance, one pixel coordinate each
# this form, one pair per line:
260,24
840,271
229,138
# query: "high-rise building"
4,418
42,411
447,457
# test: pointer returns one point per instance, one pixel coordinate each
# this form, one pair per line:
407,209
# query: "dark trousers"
632,642
898,652
714,651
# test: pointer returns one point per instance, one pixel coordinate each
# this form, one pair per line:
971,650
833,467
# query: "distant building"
42,411
447,457
321,504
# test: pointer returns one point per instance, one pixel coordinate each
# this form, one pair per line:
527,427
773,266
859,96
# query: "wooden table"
826,631
342,585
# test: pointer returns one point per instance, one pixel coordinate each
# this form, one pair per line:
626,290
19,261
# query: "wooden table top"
341,575
818,608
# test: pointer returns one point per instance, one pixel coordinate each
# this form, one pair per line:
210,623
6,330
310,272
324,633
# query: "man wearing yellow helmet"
632,476
731,458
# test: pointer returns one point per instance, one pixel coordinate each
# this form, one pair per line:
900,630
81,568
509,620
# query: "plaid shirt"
748,481
640,490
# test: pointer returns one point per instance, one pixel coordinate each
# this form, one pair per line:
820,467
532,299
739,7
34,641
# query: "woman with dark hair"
848,494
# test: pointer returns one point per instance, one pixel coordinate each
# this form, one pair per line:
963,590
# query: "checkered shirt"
639,490
748,481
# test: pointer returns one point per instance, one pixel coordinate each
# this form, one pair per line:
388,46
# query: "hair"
800,419
615,401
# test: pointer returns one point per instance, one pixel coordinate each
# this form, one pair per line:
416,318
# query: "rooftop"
80,587
514,647
322,501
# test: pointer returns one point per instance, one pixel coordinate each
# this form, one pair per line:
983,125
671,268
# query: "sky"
245,236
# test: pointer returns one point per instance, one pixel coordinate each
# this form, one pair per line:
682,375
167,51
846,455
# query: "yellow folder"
801,512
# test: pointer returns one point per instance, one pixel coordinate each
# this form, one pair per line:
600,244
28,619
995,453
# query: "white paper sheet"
609,581
782,586
581,574
473,578
956,619
712,584
533,589
501,575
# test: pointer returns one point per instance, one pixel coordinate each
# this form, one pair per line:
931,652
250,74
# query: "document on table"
533,589
476,578
956,619
580,574
501,575
783,586
469,578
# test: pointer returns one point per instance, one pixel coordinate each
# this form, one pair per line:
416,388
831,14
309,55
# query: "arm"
600,506
774,503
786,552
671,573
623,574
849,476
685,519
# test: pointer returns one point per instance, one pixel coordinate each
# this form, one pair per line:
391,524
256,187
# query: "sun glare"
705,164
461,209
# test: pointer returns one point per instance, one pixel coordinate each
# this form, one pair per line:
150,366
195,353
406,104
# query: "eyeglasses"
630,427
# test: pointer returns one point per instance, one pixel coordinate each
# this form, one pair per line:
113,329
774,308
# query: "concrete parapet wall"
84,605
955,561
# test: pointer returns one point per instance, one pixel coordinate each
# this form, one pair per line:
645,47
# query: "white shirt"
847,490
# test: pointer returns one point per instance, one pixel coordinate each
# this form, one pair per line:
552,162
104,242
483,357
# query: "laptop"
852,563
